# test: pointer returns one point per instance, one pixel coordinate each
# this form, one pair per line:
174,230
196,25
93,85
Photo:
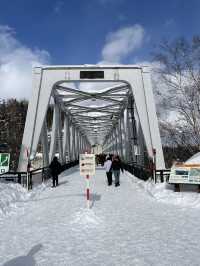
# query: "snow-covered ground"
138,223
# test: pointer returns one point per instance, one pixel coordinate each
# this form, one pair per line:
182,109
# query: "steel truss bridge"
112,106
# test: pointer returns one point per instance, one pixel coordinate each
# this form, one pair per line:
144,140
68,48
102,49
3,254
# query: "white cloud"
121,43
16,61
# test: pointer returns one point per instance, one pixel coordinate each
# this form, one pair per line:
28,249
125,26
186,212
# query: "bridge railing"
162,175
158,175
33,177
17,177
138,170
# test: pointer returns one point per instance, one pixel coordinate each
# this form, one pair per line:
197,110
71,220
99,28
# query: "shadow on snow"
27,260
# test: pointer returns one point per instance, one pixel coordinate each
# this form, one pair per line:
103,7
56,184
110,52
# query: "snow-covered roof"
195,159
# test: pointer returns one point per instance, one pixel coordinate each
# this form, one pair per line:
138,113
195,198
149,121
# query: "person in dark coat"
115,167
55,167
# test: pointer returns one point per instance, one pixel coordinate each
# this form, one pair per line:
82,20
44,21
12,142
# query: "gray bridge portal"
112,106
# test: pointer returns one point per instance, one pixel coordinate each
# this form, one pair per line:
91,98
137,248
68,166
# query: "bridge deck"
125,226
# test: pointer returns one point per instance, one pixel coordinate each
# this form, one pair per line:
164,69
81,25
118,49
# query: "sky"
85,32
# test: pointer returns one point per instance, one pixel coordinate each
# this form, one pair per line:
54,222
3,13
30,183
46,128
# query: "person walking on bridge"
115,167
107,166
55,167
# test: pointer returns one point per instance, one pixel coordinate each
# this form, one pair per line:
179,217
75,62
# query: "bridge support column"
120,137
109,144
123,136
73,142
112,143
44,140
84,145
116,140
66,138
80,143
127,137
55,126
60,144
77,143
132,130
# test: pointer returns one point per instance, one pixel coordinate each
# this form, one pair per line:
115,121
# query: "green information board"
4,162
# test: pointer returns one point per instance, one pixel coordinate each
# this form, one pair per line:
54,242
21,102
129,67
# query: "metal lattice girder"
93,116
79,112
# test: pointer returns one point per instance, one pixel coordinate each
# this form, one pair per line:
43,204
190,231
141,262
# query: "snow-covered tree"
178,88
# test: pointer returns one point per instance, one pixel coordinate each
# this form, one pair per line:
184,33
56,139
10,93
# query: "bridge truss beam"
120,115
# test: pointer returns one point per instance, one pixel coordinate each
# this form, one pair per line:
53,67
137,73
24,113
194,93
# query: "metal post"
19,178
78,144
54,132
154,164
65,138
69,140
116,140
123,137
60,145
44,140
120,138
128,138
88,191
73,142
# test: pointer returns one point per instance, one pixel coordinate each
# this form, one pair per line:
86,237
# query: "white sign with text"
87,164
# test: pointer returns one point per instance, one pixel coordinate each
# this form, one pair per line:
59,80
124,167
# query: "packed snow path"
124,226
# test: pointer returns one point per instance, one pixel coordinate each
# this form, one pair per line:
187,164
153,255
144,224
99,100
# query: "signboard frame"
4,168
87,164
185,174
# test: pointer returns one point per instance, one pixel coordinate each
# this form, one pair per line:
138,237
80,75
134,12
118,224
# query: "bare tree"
179,72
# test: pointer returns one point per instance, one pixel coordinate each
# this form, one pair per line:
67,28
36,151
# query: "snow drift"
164,192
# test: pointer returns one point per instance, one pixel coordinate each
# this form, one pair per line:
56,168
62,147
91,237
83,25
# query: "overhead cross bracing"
120,113
94,113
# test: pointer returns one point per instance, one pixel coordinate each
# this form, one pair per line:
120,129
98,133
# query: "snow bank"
9,195
12,194
164,192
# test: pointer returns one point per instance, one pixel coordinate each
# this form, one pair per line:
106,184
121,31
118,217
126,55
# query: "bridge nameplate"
91,74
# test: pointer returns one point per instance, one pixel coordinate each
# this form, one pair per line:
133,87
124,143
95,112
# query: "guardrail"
35,176
139,171
159,175
162,175
17,177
